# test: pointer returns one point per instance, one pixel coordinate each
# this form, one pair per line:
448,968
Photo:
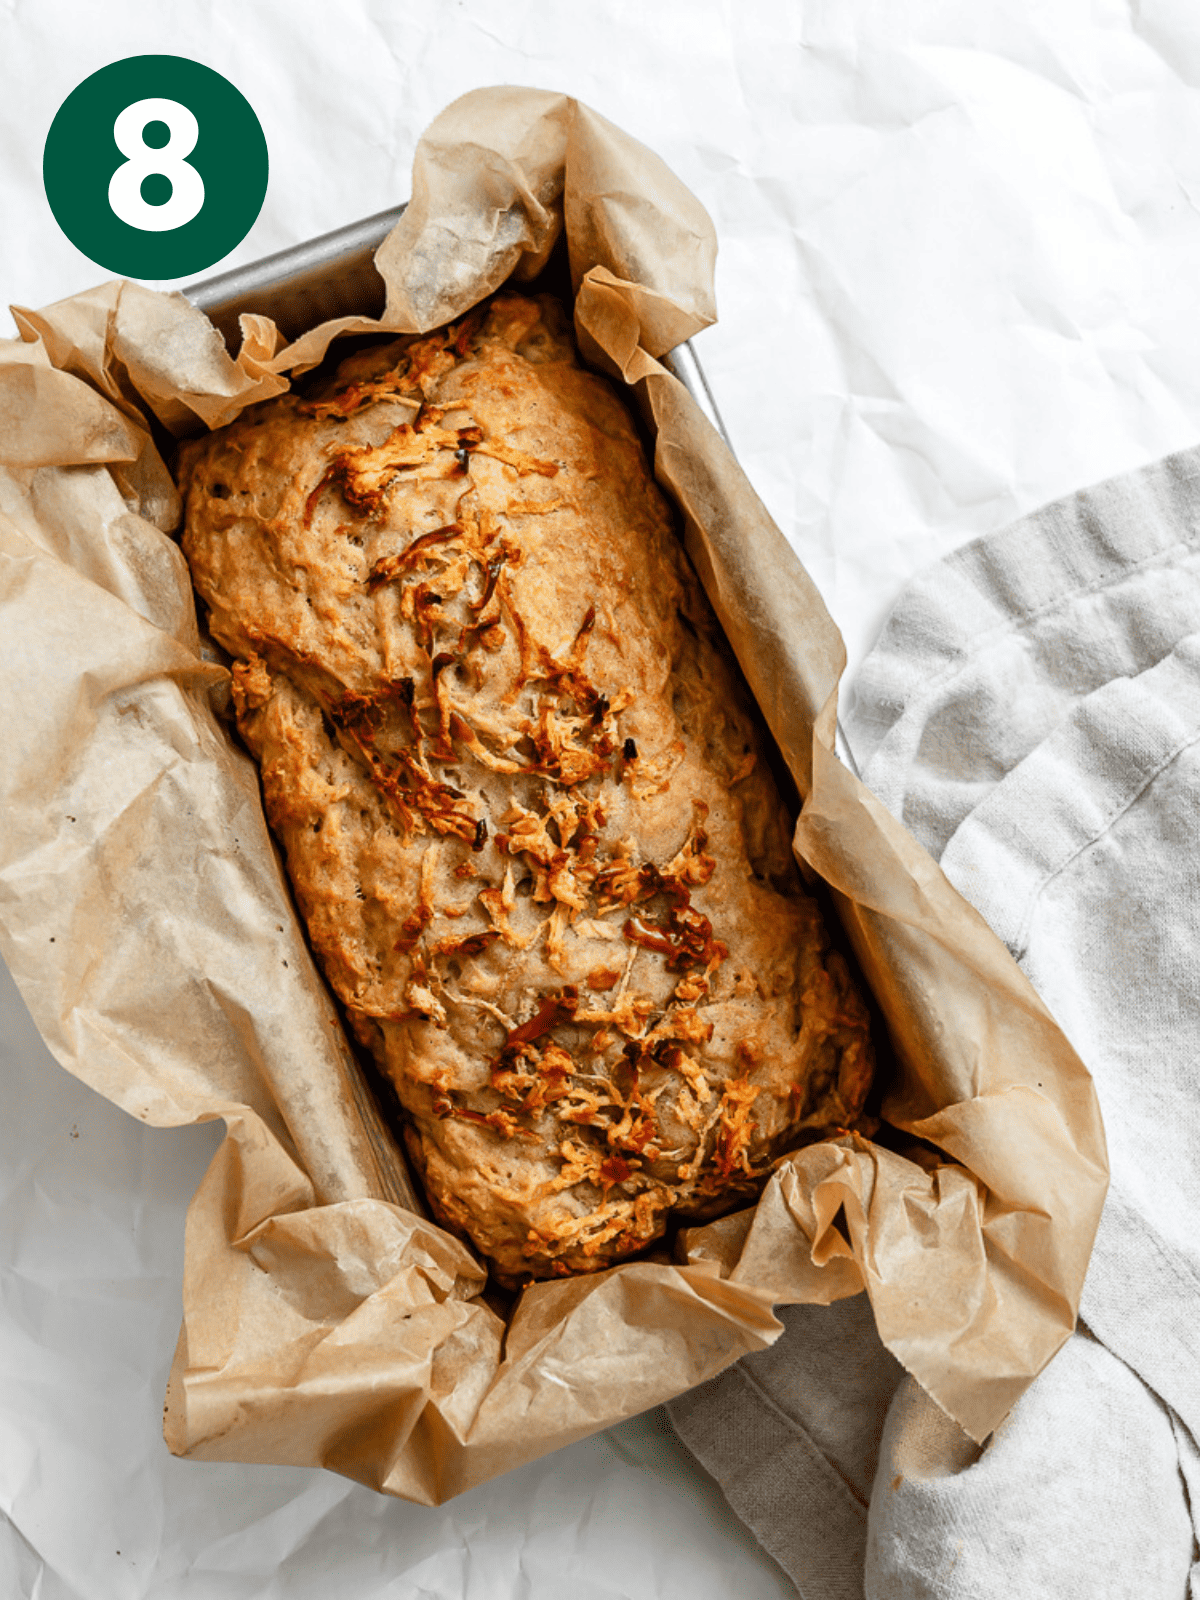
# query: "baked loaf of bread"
520,790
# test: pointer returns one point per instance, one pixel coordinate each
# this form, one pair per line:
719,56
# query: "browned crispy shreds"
520,791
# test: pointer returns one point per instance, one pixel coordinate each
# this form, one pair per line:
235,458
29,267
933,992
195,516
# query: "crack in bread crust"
521,792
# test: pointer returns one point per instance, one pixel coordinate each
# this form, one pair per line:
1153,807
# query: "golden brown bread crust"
523,801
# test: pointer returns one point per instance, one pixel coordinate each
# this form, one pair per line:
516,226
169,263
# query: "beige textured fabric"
792,1436
1032,711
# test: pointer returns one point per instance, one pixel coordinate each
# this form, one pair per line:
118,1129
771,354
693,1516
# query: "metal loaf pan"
334,276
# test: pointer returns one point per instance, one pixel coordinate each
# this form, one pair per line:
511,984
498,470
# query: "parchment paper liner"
147,923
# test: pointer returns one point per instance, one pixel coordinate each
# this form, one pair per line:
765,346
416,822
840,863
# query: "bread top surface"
521,792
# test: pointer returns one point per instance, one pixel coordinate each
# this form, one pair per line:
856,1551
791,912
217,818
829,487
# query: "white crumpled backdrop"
960,250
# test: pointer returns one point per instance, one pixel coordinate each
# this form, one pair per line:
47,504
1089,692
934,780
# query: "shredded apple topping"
516,780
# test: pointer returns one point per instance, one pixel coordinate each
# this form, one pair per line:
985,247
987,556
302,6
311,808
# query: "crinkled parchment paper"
147,923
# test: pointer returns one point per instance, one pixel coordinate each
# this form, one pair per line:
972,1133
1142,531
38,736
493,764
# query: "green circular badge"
155,167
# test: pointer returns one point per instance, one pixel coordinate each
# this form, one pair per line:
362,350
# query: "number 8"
125,185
